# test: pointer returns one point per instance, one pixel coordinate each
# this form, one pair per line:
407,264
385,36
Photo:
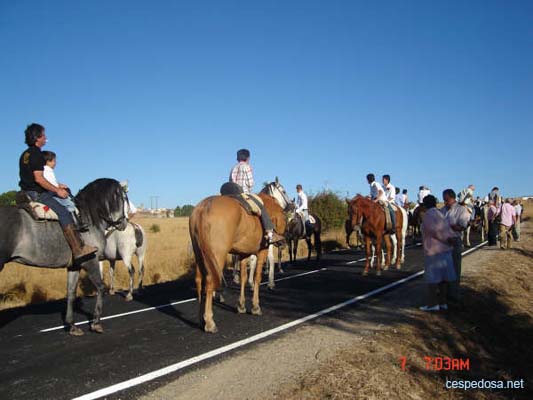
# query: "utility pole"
152,198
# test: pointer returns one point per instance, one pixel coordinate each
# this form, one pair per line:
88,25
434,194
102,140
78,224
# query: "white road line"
55,328
364,258
221,350
224,349
296,276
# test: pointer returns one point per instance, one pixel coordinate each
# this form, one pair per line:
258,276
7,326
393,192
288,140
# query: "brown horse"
220,225
370,218
417,219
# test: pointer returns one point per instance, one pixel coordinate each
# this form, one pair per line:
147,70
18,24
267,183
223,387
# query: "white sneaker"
443,306
428,308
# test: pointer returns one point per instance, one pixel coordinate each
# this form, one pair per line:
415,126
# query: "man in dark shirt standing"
34,184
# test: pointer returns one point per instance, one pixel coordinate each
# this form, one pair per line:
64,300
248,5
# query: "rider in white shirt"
376,191
390,190
301,203
423,192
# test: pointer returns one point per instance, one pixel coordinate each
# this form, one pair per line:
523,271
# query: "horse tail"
205,257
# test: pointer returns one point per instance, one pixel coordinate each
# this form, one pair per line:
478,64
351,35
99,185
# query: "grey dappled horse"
42,244
122,245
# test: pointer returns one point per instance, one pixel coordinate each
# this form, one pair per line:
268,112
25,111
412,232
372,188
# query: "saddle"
250,202
389,216
38,211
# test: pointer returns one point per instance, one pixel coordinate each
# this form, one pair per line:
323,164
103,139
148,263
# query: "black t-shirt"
31,160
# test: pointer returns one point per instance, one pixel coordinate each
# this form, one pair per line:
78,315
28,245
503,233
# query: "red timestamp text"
441,363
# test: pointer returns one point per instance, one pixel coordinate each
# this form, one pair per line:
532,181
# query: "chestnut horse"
369,216
220,225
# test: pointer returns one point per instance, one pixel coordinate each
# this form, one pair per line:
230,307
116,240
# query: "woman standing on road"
438,263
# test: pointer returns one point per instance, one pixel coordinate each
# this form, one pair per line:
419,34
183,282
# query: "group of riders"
38,183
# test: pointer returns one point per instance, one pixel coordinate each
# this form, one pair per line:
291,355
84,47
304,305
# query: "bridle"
114,224
277,191
358,215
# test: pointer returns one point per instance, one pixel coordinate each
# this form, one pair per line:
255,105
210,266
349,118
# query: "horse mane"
99,199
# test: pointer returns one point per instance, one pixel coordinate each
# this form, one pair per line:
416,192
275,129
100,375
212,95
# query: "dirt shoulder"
356,353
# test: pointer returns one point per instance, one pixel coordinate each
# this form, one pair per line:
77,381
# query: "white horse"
122,245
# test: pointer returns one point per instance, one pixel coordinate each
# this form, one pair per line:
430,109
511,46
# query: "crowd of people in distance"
442,237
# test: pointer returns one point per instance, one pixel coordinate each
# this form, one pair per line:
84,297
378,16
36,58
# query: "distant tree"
330,208
186,210
8,198
183,211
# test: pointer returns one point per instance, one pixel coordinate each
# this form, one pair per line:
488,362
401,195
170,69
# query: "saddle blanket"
43,212
250,202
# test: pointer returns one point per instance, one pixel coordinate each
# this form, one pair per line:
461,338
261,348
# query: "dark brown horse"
370,218
220,225
417,219
295,232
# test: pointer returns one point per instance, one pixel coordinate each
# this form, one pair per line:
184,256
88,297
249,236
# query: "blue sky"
322,92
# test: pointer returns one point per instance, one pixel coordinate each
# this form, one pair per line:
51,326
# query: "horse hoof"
75,331
385,268
111,292
236,280
97,328
129,297
378,273
221,299
271,286
399,266
281,271
257,311
365,273
211,328
241,309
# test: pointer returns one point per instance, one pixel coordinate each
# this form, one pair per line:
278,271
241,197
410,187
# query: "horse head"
277,191
101,203
355,211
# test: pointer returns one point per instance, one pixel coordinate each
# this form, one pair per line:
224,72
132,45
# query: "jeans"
68,203
266,222
453,287
47,198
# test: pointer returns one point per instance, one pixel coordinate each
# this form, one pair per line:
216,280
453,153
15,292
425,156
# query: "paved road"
51,364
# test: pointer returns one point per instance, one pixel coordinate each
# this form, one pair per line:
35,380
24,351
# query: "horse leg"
94,275
256,308
209,323
279,261
368,245
394,241
318,245
112,277
379,246
241,307
295,249
388,239
309,247
253,266
271,266
398,248
140,257
101,266
73,276
236,263
131,270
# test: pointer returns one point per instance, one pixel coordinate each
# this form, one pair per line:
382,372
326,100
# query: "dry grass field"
169,257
